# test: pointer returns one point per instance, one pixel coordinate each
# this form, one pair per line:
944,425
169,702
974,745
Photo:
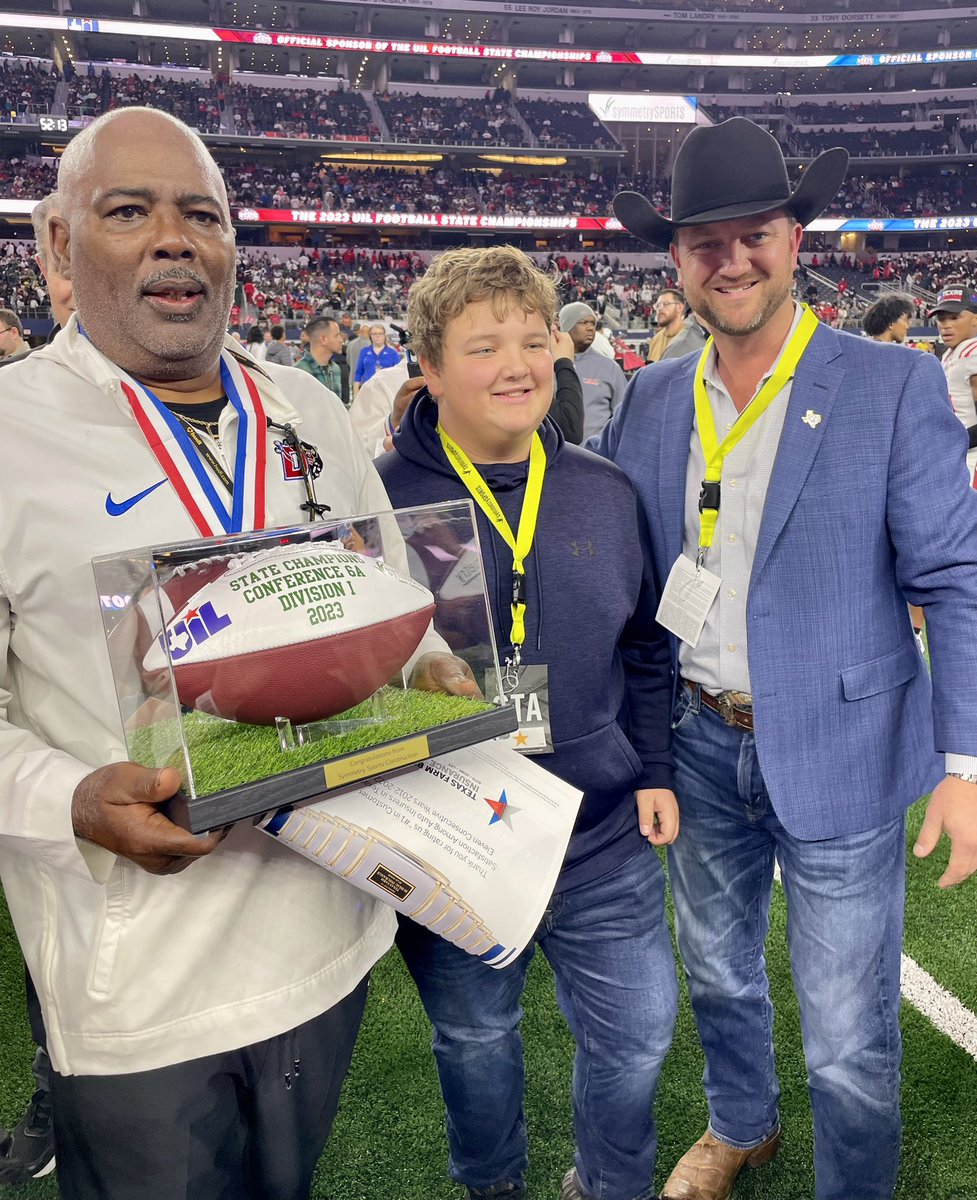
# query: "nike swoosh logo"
117,508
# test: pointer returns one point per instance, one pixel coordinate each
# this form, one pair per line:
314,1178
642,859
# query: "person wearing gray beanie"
601,378
570,314
573,314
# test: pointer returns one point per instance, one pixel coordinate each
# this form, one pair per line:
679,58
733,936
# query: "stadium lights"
567,55
524,160
379,156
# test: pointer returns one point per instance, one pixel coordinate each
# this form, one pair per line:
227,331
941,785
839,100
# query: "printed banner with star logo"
468,844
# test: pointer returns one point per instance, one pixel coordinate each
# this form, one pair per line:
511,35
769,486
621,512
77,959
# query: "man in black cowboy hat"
792,516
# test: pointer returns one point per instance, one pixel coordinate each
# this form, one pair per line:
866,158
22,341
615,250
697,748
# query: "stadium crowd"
194,101
588,193
298,112
920,192
294,290
808,112
931,271
211,106
22,289
21,179
370,284
301,185
450,120
442,189
336,188
876,143
565,123
374,283
26,87
799,112
497,119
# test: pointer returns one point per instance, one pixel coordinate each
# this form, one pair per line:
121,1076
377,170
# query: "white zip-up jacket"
137,971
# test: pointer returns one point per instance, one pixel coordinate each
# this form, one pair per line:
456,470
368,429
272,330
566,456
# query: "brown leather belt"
735,708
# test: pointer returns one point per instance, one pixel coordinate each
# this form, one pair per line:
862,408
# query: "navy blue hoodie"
589,618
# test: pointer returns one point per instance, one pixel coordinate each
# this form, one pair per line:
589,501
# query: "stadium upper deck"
456,83
536,45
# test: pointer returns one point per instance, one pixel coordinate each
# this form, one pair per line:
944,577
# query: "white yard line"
939,1006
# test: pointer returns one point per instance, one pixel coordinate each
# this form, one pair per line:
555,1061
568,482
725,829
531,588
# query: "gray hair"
50,206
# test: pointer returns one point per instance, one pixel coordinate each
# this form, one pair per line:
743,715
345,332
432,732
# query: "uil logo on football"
198,625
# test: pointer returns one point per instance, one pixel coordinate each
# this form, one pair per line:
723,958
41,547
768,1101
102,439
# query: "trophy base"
292,736
315,781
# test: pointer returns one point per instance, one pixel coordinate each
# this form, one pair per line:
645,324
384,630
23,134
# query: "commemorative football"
298,631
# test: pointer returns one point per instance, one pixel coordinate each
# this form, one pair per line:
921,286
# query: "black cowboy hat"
733,169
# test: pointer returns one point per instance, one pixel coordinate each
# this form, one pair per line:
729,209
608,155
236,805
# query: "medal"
181,462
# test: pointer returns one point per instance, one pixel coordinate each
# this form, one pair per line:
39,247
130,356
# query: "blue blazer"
868,509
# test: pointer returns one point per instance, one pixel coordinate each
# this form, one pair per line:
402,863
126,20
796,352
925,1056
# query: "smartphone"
413,366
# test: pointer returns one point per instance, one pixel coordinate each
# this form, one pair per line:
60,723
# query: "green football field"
388,1142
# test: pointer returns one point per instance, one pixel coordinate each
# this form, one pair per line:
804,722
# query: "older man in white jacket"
199,1022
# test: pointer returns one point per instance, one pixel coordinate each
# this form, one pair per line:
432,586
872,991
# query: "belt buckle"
726,709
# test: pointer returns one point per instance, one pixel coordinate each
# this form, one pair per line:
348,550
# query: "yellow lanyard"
521,544
713,450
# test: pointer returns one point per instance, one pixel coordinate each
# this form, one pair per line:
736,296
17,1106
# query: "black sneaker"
27,1152
498,1191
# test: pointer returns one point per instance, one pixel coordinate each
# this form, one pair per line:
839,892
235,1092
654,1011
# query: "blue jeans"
608,944
845,899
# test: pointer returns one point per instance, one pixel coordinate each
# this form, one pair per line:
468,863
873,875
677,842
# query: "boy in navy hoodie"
571,605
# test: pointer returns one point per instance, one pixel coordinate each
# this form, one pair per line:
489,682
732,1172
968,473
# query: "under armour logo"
582,549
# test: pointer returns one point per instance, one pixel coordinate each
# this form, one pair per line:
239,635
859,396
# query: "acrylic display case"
277,667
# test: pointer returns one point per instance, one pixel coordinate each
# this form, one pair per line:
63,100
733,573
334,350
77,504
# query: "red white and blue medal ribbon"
185,469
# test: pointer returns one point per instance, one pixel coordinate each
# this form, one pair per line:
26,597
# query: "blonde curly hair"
503,275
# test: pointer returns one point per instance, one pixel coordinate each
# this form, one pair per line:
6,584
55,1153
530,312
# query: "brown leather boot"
709,1169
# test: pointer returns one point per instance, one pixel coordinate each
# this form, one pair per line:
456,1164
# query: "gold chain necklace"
210,428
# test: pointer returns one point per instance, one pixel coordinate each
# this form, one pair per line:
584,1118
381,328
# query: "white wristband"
961,764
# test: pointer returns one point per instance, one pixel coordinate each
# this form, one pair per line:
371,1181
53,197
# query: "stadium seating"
873,143
564,124
929,191
447,120
26,89
298,112
192,102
